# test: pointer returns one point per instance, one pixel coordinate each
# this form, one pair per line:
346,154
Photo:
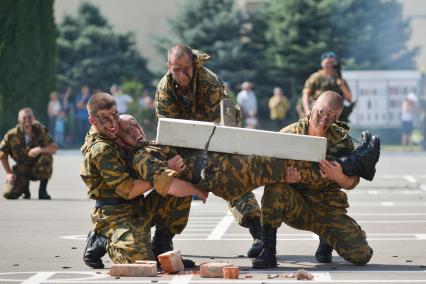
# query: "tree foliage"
90,52
27,58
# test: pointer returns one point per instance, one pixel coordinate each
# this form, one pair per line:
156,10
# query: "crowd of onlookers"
68,123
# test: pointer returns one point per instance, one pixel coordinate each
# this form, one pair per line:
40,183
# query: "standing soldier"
191,91
328,78
31,147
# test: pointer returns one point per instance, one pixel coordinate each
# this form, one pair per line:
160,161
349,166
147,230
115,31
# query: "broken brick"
140,269
231,272
213,269
171,261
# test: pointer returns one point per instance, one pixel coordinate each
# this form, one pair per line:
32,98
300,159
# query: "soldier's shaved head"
24,111
178,51
131,132
332,99
100,101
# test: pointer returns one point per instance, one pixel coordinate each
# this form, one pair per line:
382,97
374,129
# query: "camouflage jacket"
319,82
104,169
338,143
13,143
201,103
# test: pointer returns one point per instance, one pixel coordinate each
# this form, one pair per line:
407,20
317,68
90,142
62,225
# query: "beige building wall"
148,17
142,17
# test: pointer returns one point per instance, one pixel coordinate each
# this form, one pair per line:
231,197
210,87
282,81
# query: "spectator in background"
53,108
146,101
229,92
407,115
82,125
279,107
60,128
247,100
123,100
68,108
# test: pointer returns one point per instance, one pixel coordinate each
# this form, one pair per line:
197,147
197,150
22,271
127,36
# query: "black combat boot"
27,193
267,258
255,229
162,242
95,250
42,192
323,253
363,161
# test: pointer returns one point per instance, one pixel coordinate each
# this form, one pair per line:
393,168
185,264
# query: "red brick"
231,272
213,269
171,261
145,269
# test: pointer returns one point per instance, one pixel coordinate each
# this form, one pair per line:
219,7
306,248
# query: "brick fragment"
213,269
145,269
171,261
231,272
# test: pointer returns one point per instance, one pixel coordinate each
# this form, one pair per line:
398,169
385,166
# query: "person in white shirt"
247,101
123,100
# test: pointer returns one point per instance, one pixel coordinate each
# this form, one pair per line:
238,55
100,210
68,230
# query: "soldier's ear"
91,120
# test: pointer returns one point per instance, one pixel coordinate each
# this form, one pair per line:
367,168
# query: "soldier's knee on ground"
360,257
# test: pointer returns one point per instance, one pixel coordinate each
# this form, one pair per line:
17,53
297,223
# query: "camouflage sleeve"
150,164
165,103
310,85
112,169
47,139
4,147
214,92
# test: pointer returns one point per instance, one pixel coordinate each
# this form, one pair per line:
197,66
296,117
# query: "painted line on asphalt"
410,179
421,236
181,279
387,203
221,227
373,192
423,187
39,278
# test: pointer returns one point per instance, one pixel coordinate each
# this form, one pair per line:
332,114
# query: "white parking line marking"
373,192
410,178
181,279
388,203
221,228
421,237
38,278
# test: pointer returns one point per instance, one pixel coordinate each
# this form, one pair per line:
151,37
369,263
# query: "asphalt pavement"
43,241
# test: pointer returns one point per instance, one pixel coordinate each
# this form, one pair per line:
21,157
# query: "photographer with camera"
328,78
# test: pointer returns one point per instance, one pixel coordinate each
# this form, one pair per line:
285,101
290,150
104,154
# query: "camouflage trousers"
311,210
41,169
128,227
231,177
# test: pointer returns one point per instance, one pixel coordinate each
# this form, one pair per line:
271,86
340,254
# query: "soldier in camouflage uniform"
328,78
191,91
31,147
312,198
122,216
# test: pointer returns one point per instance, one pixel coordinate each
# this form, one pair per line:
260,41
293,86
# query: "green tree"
90,52
230,37
27,58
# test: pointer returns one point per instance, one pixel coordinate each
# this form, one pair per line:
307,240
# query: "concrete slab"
234,140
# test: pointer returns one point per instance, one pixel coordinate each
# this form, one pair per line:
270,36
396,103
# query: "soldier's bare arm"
182,188
49,149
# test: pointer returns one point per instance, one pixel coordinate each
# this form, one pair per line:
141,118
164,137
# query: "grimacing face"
25,120
131,133
106,121
182,69
323,116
